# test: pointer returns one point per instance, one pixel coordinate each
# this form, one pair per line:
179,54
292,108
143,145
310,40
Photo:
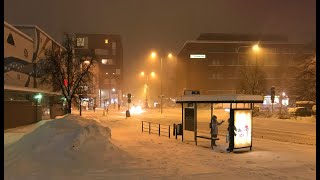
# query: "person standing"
214,129
230,135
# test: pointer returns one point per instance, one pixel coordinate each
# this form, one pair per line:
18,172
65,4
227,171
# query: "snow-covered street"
112,147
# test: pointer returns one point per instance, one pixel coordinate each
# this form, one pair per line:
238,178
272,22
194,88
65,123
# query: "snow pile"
68,143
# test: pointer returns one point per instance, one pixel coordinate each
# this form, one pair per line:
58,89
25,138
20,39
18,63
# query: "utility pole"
161,88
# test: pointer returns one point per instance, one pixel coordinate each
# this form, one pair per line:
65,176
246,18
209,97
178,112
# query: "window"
10,39
216,75
114,47
80,42
106,41
215,62
103,52
117,71
106,61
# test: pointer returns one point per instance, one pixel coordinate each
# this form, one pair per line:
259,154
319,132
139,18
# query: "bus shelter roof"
232,98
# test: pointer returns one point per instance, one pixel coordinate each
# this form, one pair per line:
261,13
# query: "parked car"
299,111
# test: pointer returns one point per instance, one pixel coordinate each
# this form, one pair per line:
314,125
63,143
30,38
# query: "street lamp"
255,48
152,74
153,56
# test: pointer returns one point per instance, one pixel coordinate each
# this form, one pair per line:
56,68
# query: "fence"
155,128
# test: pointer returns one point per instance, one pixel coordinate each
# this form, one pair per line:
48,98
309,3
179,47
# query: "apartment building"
213,62
108,52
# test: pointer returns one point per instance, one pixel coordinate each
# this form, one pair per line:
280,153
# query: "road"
294,131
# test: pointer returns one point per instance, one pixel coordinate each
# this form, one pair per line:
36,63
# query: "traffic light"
273,93
129,98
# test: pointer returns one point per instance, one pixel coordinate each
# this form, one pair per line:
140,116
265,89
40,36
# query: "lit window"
106,41
80,42
106,61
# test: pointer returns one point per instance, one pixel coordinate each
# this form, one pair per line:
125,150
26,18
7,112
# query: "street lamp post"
152,74
161,87
256,49
153,55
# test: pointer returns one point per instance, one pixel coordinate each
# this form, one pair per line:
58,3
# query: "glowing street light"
256,48
113,89
153,56
152,75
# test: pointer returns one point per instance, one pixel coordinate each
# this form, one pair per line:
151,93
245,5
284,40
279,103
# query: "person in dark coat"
231,131
214,128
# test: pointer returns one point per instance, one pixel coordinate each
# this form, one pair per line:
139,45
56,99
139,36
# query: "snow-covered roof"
17,31
30,90
233,98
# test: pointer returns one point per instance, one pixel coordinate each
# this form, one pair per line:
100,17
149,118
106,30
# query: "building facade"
213,62
24,48
108,78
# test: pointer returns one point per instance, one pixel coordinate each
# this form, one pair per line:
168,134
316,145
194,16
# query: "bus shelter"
240,123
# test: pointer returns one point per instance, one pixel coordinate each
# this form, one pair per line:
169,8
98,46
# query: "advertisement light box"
201,56
243,128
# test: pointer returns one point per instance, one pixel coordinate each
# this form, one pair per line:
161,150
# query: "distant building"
212,63
108,52
25,101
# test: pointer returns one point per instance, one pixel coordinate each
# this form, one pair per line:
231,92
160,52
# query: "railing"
155,128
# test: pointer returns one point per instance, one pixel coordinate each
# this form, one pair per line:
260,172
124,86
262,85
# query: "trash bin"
179,129
127,113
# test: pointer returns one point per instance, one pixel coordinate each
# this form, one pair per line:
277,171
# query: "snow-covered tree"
65,71
252,80
305,85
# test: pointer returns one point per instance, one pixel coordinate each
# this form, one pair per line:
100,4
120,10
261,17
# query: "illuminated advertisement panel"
243,128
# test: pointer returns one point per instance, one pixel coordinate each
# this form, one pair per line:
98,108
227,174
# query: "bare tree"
252,80
65,71
305,85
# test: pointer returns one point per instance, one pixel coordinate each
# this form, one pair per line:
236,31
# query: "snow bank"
68,143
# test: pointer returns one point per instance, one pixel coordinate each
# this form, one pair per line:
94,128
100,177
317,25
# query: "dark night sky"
147,24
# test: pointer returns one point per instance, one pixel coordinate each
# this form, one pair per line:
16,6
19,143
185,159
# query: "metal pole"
147,82
159,129
280,99
169,131
80,107
149,127
109,92
181,121
100,98
142,125
37,110
104,108
195,123
161,89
